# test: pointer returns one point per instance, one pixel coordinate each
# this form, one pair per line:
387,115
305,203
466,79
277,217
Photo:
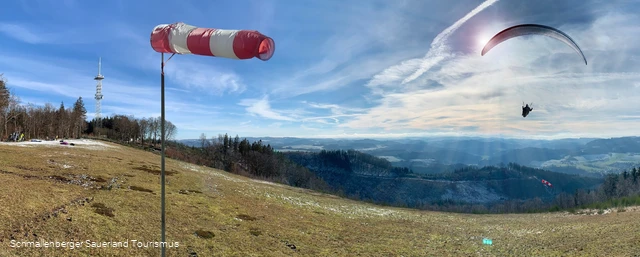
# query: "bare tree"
4,93
4,103
203,140
154,127
143,129
48,119
170,130
10,112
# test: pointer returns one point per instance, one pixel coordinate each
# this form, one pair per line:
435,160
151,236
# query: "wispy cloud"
120,97
21,33
337,113
357,49
262,108
204,78
484,93
177,89
438,52
367,69
438,46
46,34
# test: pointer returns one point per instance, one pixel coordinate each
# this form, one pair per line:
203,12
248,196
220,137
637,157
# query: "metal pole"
162,205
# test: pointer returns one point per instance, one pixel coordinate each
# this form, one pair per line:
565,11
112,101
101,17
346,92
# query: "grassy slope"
253,218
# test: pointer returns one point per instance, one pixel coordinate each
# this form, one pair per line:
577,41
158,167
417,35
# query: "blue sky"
341,68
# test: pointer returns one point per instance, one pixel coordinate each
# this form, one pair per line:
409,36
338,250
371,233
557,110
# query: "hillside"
366,177
50,193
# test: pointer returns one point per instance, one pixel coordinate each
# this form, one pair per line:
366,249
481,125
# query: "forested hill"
515,171
363,176
358,163
350,161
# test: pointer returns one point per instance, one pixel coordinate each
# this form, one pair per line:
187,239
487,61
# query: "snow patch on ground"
588,212
79,143
196,168
226,177
267,183
191,167
350,210
252,190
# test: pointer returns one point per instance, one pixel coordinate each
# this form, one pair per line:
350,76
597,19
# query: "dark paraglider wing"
531,29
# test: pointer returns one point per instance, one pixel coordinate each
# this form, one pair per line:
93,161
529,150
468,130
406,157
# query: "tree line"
127,128
48,122
252,159
39,121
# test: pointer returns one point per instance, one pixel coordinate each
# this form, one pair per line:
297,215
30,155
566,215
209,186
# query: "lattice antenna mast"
98,80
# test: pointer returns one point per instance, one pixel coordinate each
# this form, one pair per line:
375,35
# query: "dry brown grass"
76,194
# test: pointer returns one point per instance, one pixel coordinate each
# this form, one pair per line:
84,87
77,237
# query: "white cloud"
338,113
335,109
177,89
373,51
366,39
44,34
262,107
438,52
120,97
185,73
482,95
204,78
21,33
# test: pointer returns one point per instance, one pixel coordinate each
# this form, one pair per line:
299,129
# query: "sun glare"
482,40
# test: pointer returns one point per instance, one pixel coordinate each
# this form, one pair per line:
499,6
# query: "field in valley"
104,192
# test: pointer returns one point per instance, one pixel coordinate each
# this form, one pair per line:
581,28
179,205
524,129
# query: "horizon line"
346,137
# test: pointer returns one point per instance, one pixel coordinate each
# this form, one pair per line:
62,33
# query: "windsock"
181,38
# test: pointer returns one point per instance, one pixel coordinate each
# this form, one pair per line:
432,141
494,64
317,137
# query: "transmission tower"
98,80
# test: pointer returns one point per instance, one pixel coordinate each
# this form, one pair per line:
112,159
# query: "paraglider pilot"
526,109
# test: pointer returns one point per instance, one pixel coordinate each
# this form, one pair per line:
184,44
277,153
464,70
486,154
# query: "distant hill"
374,179
527,155
587,156
612,145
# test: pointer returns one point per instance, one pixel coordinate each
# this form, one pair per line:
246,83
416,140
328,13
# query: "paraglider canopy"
531,29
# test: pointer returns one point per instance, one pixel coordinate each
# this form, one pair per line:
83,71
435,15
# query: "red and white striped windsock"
181,38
